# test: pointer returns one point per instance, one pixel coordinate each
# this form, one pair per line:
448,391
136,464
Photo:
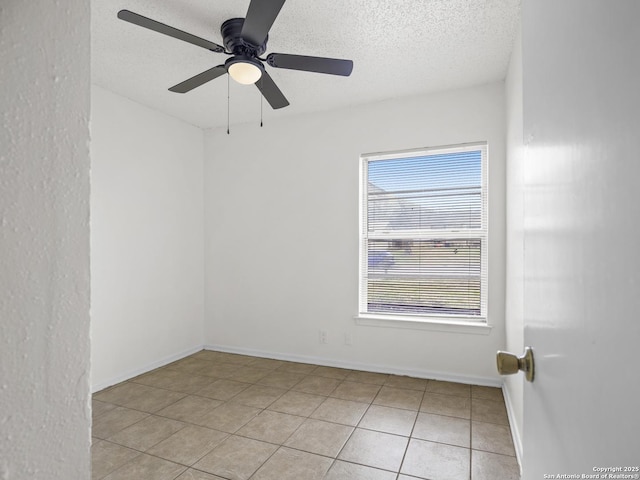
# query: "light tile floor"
214,416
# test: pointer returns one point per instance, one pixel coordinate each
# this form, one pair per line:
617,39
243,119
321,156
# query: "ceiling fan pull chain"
261,85
228,104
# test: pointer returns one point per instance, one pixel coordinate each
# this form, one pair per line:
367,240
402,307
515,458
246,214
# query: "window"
423,249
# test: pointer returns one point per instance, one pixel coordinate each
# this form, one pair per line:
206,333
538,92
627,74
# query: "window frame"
431,321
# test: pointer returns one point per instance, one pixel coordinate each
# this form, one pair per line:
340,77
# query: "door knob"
508,363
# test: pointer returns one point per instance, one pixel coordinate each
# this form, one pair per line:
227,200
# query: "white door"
581,70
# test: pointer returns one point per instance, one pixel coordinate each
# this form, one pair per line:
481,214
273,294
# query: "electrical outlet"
348,338
323,336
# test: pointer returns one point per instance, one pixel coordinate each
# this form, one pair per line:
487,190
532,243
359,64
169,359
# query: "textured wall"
44,240
147,268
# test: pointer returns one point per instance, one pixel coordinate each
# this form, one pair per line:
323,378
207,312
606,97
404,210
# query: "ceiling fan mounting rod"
231,31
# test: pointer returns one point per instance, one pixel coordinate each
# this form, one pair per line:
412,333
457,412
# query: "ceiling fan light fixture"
244,71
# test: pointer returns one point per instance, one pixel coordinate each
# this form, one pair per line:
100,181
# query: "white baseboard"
515,432
418,373
144,369
367,367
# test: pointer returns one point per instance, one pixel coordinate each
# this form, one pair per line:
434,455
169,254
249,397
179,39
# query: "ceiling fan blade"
200,79
145,22
333,66
271,92
260,17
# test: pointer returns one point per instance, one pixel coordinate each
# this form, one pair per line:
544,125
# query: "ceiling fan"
245,39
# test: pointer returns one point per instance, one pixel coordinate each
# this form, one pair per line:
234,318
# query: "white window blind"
424,233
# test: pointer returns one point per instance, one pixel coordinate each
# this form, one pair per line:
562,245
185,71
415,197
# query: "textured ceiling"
399,48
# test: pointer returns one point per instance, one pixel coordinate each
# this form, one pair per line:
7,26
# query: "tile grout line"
471,443
412,430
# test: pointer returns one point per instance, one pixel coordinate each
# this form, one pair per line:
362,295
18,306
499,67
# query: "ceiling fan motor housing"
231,31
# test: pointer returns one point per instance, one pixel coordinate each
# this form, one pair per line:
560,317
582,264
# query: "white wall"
147,268
44,241
514,308
281,244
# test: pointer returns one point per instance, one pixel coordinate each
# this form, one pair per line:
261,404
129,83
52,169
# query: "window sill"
425,323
